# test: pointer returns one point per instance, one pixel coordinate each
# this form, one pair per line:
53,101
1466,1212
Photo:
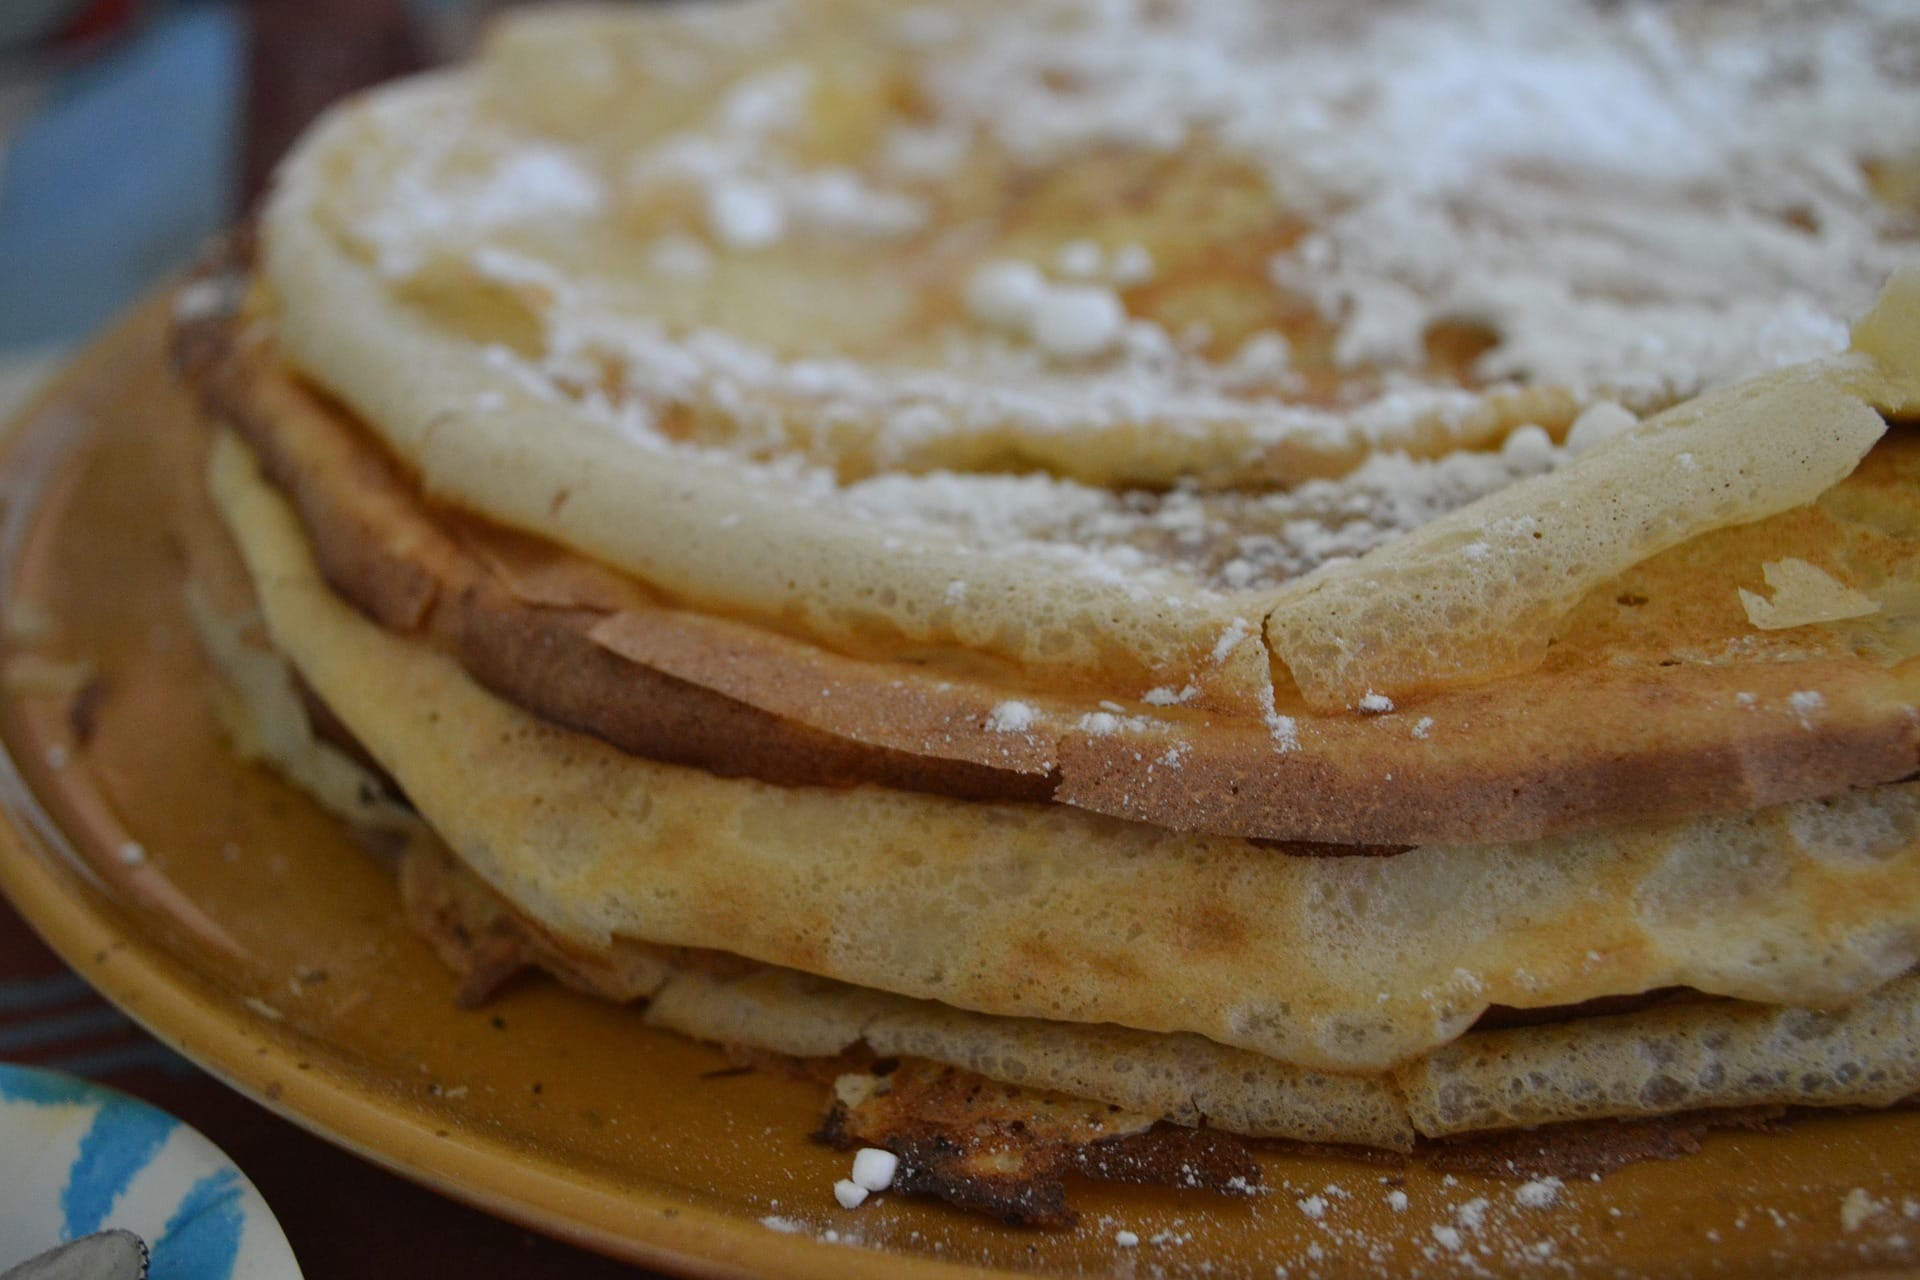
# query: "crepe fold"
998,956
1605,592
1685,708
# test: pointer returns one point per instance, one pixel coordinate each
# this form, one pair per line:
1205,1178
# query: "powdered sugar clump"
1285,732
1806,704
1012,717
1540,1193
1858,1207
1230,639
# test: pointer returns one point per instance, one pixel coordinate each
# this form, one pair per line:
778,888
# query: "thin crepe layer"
1332,964
1684,708
439,359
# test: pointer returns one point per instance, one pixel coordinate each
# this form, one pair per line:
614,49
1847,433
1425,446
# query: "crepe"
535,312
1110,575
1690,708
1657,1061
1153,580
1334,963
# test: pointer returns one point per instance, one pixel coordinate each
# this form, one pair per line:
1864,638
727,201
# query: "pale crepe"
460,261
1683,708
1654,1062
1039,911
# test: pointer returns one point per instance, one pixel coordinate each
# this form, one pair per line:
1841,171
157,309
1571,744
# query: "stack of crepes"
1123,573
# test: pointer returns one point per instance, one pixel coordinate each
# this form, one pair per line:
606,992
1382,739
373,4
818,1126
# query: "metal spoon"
105,1255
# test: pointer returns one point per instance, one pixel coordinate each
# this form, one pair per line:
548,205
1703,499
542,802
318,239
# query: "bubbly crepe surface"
1076,339
1681,1055
1332,963
1692,697
948,532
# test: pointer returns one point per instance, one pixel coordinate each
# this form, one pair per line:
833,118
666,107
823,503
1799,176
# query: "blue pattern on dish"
203,1236
123,1138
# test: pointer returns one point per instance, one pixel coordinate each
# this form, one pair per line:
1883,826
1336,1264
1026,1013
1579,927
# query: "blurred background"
131,130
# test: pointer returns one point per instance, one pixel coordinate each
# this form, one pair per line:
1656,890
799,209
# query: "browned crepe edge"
412,571
587,648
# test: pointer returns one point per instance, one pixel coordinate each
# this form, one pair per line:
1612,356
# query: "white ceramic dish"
76,1157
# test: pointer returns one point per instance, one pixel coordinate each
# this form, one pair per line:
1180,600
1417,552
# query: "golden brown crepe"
1689,709
568,828
1095,574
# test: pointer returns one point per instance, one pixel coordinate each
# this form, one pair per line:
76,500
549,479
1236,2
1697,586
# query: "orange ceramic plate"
241,926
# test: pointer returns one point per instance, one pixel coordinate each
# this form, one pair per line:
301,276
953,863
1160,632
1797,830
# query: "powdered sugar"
1453,155
1597,423
750,183
1416,1223
425,212
1012,717
1006,293
1074,322
1284,730
1539,1193
208,297
744,213
1858,1207
1230,639
1633,198
1633,202
1082,259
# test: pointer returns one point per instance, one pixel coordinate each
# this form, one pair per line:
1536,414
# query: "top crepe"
1091,353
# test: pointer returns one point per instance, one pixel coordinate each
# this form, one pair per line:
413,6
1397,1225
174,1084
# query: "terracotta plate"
220,909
